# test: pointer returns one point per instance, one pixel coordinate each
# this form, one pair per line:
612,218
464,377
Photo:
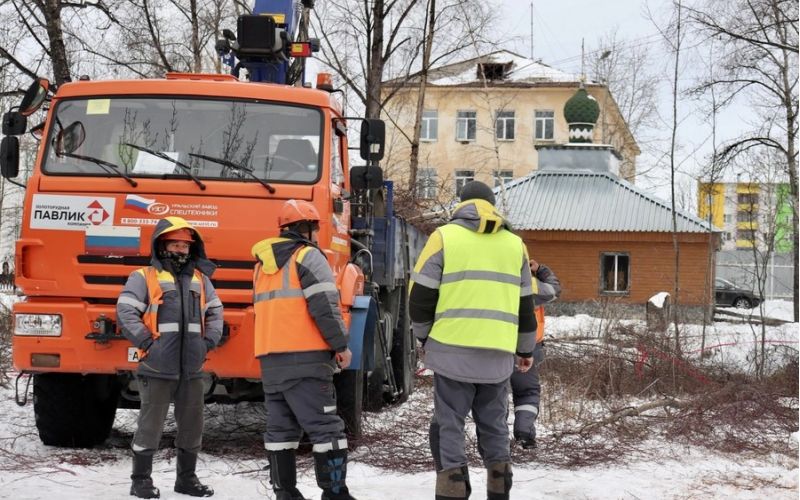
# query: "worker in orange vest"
171,313
525,386
300,338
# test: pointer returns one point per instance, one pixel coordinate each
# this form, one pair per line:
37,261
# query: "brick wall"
575,258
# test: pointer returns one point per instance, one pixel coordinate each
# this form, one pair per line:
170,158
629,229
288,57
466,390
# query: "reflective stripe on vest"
539,312
159,282
479,294
283,323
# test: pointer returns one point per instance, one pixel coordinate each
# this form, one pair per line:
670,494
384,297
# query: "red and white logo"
96,213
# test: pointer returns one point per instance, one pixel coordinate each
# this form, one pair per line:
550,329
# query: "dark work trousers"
526,391
308,405
156,395
453,400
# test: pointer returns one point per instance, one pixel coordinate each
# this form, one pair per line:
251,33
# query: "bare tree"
627,70
43,22
758,65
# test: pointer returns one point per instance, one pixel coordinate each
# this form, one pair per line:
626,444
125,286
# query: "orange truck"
116,156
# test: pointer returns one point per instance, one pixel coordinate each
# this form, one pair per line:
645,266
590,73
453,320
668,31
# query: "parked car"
728,294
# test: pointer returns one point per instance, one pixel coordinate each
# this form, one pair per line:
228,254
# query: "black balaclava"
176,260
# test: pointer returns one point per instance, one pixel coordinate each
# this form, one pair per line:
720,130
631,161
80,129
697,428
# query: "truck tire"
350,398
72,410
374,384
404,351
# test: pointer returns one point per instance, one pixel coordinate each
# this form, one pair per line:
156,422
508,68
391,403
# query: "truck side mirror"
14,123
368,177
9,157
71,138
373,137
34,97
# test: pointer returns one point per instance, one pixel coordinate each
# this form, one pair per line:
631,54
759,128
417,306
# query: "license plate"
133,355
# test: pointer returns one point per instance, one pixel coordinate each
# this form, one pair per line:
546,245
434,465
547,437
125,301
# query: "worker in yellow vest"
526,387
300,338
471,307
171,313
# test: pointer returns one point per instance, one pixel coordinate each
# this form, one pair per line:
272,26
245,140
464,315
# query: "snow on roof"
520,70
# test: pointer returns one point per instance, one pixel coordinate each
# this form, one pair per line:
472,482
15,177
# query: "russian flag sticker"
138,203
112,240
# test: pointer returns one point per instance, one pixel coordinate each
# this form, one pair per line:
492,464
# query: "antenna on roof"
531,30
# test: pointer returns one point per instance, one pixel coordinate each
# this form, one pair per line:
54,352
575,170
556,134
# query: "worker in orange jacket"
171,313
300,338
525,386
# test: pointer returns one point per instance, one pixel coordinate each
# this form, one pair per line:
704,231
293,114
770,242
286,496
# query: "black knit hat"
477,189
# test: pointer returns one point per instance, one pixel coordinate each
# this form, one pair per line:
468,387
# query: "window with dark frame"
504,125
614,272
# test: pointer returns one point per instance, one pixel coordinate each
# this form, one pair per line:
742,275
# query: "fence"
739,267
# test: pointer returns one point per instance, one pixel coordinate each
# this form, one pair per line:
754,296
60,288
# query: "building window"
430,125
727,218
545,122
746,235
466,125
463,177
745,216
504,125
502,177
748,198
727,236
427,183
614,272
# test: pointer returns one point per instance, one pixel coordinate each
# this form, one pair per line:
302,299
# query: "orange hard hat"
182,234
295,211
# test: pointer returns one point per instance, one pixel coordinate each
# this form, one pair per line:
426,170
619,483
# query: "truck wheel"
404,352
350,398
72,410
374,386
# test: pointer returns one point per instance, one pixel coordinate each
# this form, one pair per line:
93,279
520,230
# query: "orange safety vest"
283,323
154,278
539,312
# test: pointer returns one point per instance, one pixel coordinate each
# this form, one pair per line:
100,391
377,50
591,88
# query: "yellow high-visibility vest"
479,293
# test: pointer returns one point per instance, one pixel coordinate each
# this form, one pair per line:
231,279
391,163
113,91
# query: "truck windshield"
259,141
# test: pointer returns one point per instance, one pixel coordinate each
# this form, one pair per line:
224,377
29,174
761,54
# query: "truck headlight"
47,325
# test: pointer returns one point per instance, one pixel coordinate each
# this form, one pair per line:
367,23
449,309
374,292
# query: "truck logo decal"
70,213
98,215
158,209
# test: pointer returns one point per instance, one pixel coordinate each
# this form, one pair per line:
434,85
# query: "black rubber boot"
142,484
453,484
283,475
525,429
331,471
498,481
187,481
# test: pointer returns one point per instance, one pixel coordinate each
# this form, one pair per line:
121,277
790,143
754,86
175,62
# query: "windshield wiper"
107,166
239,168
159,154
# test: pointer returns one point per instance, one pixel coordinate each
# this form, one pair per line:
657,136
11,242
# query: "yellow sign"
98,106
278,18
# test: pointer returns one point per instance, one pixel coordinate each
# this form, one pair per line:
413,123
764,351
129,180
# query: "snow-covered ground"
234,461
